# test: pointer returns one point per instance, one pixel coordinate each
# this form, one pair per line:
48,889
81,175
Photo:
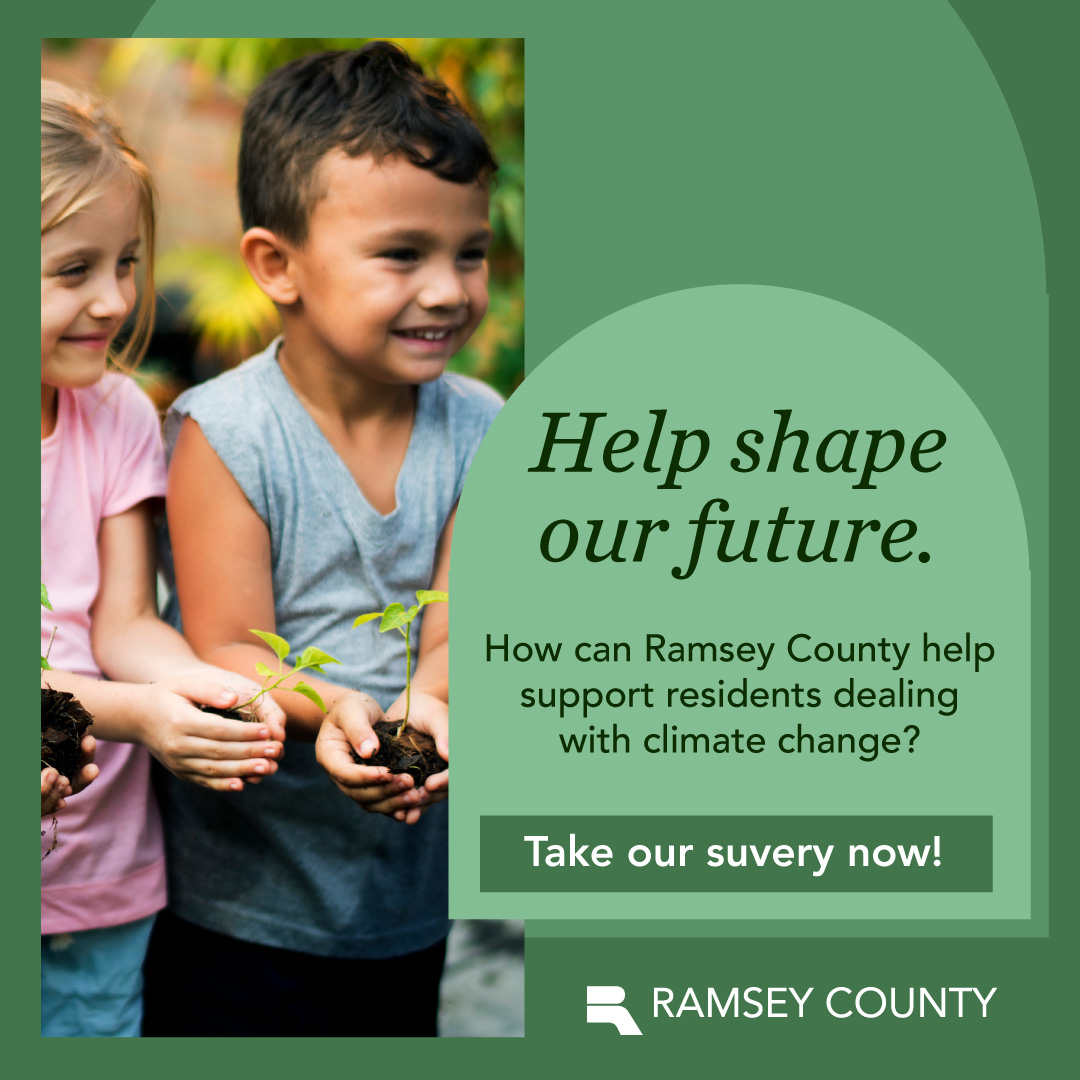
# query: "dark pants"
199,982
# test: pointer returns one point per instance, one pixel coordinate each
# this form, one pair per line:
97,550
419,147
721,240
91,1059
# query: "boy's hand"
430,715
349,725
209,750
54,790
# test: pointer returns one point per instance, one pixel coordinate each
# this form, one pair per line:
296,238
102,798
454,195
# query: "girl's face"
87,285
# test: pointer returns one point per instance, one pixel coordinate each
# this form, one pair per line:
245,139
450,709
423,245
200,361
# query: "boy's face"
392,279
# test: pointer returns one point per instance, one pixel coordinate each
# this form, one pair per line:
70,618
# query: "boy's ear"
267,257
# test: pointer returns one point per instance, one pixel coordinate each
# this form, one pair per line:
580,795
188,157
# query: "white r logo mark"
604,1006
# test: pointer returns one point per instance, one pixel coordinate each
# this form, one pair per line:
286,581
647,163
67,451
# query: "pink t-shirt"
104,457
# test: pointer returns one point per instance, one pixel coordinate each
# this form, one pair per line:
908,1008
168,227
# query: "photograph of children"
308,255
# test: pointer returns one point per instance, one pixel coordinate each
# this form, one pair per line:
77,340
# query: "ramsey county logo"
604,1006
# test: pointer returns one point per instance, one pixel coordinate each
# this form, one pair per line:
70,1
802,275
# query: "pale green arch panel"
722,360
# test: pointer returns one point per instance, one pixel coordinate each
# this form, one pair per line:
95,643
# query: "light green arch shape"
722,359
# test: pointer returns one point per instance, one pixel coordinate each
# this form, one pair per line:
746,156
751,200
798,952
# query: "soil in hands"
63,724
413,753
229,714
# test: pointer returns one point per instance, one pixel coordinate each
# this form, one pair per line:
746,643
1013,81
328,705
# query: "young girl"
101,464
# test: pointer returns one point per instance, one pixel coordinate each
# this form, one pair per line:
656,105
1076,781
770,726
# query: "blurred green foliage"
230,315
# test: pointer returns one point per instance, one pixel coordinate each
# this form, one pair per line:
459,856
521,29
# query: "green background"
599,78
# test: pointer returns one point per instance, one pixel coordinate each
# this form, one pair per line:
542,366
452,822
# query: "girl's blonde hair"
83,151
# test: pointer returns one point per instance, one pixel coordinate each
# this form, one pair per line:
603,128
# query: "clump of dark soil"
413,753
63,724
229,714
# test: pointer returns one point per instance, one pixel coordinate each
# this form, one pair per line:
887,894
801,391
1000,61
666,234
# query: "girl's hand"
209,685
89,771
348,726
54,790
430,715
209,750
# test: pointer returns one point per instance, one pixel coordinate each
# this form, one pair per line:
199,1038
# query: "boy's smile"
87,286
392,279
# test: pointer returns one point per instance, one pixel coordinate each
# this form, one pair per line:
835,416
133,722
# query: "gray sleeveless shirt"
291,862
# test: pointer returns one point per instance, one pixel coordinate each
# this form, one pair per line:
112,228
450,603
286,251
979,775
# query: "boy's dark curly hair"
375,100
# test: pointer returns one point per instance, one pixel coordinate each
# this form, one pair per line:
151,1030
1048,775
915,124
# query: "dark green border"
1029,47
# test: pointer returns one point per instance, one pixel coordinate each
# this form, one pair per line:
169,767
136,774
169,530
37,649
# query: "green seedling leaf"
45,666
431,596
393,617
309,693
278,644
264,671
312,658
45,597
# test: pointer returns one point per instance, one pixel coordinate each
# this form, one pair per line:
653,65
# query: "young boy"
314,483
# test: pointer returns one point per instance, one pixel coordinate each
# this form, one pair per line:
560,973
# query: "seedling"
397,617
401,750
48,649
311,659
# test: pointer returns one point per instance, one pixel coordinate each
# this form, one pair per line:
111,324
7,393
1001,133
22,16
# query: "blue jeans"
92,981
